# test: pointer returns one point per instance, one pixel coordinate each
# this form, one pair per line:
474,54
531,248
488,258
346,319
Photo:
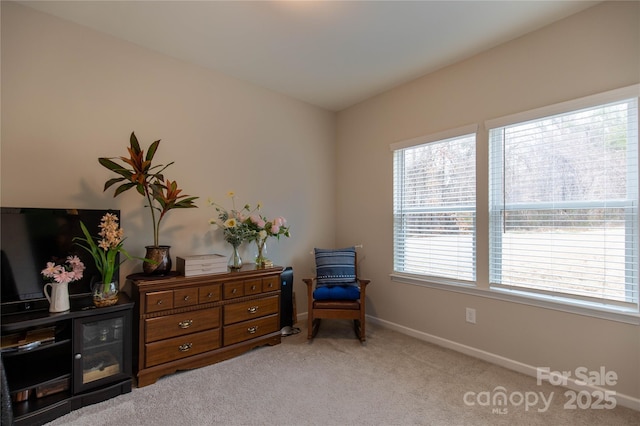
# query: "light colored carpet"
393,379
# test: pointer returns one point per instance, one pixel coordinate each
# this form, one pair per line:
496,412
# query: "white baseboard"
621,399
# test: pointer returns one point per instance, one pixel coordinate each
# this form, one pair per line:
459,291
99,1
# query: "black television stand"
59,362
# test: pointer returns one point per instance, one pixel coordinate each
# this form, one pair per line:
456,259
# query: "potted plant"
162,195
105,250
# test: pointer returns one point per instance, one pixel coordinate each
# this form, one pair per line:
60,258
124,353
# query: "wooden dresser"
189,322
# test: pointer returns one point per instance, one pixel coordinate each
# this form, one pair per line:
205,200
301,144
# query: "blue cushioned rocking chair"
338,293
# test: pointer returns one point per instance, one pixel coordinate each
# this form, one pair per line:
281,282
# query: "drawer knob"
185,324
253,309
186,298
210,295
234,291
253,287
185,347
159,302
252,330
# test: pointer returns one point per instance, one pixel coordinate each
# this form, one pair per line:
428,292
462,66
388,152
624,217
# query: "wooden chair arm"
309,283
363,288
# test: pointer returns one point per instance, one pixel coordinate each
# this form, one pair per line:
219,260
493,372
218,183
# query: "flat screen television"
31,237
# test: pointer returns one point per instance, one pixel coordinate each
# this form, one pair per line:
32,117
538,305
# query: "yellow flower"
231,223
231,194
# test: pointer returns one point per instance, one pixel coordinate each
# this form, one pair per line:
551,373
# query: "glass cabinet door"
101,349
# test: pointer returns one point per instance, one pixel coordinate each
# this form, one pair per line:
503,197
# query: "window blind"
564,204
434,208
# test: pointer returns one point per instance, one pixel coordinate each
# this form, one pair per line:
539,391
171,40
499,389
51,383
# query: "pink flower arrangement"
278,224
64,274
262,228
246,224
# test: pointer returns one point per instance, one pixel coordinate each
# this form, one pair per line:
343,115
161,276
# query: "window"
434,205
564,203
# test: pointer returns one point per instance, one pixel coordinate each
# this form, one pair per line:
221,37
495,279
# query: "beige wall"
71,95
594,51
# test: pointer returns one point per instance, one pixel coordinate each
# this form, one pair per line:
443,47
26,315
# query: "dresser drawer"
185,297
243,311
159,301
233,289
181,347
247,330
252,287
181,324
270,284
209,293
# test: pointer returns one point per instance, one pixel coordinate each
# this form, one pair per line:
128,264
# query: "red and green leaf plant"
139,172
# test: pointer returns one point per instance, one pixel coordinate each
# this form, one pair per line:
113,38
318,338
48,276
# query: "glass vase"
235,261
105,294
261,256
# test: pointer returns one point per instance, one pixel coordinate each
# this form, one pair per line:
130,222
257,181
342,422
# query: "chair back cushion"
335,266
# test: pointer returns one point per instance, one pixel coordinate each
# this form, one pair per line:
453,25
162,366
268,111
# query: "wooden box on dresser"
188,322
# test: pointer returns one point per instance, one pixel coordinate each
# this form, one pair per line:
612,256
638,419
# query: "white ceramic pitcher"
59,297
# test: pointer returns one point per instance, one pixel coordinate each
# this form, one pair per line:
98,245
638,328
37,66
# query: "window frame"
496,208
482,287
452,134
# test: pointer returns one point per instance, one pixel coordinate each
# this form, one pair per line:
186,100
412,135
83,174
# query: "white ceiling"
332,54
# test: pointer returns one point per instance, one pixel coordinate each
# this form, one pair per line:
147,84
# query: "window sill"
573,307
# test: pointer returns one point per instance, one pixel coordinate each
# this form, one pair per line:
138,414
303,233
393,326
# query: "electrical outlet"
471,315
